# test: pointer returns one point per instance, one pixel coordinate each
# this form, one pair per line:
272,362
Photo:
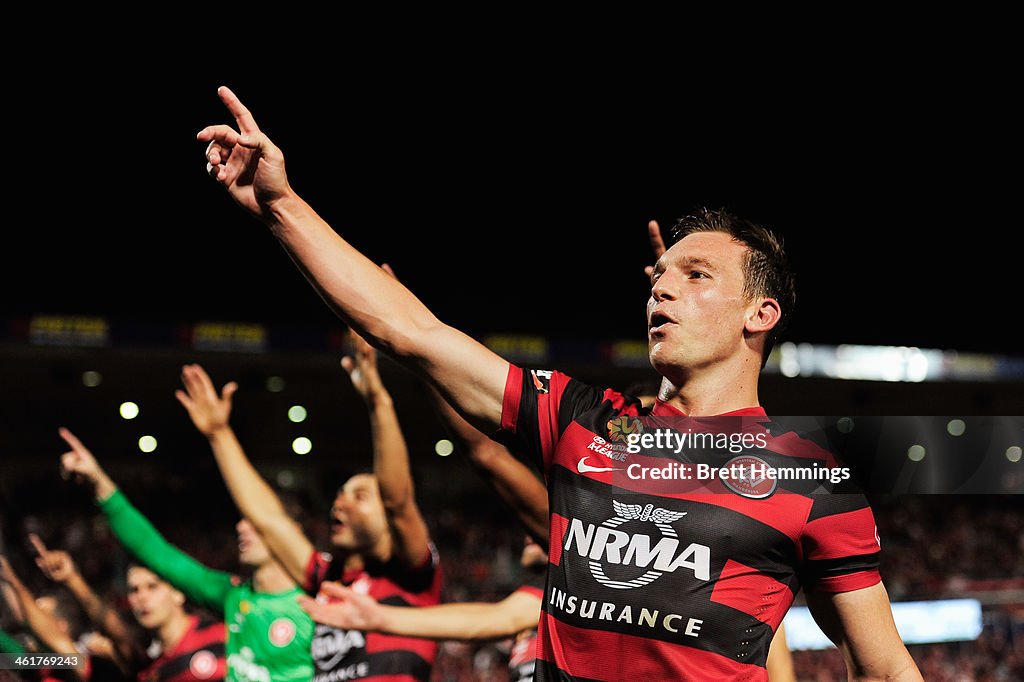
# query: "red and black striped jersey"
655,577
353,655
198,656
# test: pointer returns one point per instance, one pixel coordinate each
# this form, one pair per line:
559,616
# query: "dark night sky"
516,203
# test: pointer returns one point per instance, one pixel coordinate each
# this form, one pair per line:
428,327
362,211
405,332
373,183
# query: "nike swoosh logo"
583,467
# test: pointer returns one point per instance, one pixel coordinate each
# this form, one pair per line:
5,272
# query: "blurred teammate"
268,635
698,596
380,541
187,648
514,616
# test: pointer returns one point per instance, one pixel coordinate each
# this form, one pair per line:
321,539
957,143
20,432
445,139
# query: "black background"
510,198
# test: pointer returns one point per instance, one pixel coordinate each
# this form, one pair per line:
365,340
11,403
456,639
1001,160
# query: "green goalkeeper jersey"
269,635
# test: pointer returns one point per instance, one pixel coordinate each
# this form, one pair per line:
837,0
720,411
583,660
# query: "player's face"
252,551
152,600
358,521
533,554
697,312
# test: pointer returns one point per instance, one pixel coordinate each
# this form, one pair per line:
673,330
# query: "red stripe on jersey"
424,648
848,582
559,524
510,401
785,512
394,678
384,586
791,444
382,589
202,638
841,535
618,402
737,582
316,569
614,656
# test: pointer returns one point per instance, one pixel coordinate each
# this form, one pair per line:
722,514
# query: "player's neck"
716,390
381,551
271,578
172,631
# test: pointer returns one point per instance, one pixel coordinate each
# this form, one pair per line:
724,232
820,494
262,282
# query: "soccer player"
380,541
727,566
268,634
188,648
514,616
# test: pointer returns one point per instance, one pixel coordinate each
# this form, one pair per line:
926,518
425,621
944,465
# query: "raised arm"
60,568
199,583
517,486
860,624
468,621
390,456
42,625
256,500
380,309
780,659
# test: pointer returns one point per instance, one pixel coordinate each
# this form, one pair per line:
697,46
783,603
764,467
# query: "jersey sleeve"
840,544
537,407
419,578
201,584
317,569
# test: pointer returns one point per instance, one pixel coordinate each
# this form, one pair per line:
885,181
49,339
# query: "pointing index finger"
37,542
246,123
70,438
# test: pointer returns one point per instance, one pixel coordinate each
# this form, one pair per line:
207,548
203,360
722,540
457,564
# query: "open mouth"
659,320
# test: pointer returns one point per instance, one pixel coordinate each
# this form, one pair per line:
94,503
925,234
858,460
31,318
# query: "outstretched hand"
341,607
208,411
657,244
78,462
55,564
81,465
361,366
244,161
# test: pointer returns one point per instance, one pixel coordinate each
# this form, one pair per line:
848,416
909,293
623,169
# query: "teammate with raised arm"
58,566
43,626
727,566
268,636
380,541
514,616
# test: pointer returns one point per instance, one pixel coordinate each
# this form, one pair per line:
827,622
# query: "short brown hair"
766,268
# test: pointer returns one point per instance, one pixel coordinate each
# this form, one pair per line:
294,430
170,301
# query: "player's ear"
763,314
179,598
